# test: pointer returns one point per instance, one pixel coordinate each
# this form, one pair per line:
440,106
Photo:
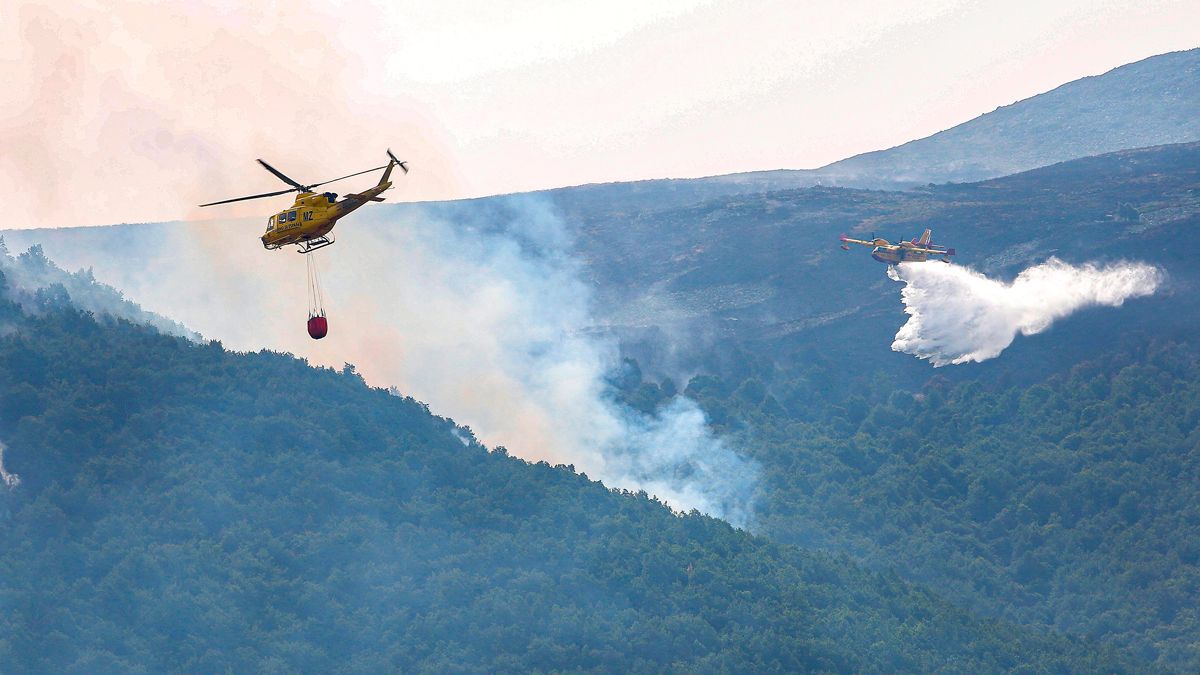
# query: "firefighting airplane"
917,250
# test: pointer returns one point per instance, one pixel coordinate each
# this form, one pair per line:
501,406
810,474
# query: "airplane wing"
847,240
932,251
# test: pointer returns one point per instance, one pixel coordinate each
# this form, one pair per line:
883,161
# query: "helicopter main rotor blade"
242,199
334,180
280,176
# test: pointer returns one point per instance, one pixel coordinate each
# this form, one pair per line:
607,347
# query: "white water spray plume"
9,480
957,315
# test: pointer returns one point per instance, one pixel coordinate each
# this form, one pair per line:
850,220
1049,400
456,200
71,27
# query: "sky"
137,111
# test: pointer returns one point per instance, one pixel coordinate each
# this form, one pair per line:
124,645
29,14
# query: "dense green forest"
181,507
1072,503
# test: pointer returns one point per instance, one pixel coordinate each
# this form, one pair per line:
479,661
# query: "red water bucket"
318,327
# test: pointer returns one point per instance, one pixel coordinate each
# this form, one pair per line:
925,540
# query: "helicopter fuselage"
313,216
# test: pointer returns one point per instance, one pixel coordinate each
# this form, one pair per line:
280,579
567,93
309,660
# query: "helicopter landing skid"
310,245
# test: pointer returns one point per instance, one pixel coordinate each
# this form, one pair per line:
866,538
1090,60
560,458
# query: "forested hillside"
1072,503
183,507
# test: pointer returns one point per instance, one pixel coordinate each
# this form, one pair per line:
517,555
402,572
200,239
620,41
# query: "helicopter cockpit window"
270,223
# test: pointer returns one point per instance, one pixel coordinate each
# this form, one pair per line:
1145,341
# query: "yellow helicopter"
310,219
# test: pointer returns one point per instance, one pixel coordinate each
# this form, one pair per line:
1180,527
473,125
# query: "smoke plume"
29,276
491,323
477,308
957,315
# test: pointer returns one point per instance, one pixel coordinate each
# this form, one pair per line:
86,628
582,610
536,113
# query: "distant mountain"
172,506
766,268
1154,101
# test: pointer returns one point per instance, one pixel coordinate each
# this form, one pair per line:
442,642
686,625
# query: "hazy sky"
136,111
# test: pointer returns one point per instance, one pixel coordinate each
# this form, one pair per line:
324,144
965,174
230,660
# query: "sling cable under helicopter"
318,325
309,223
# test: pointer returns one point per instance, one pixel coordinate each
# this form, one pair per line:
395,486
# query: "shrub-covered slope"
1072,503
183,507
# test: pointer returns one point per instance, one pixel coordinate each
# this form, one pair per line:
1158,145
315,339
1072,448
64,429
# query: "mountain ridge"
1162,93
1149,102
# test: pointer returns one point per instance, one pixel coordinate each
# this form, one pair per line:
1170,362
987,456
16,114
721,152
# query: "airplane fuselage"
893,256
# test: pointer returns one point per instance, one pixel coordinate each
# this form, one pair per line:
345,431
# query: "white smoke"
31,272
478,309
490,322
957,315
675,456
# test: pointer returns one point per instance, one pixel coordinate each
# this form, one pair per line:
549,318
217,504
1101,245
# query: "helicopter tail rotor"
402,165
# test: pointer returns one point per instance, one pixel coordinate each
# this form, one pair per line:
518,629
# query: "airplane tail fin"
925,236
